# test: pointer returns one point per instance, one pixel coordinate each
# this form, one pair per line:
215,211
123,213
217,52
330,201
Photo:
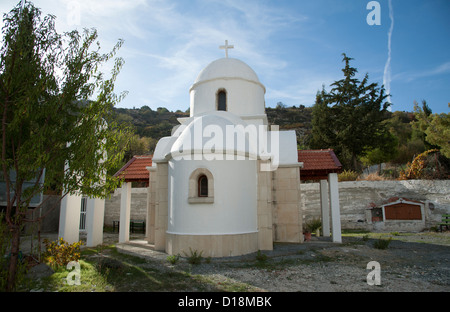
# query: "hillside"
157,124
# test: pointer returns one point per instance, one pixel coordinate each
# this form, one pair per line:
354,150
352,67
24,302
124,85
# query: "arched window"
222,100
202,186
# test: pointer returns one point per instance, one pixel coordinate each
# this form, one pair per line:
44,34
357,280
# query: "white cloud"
387,67
409,76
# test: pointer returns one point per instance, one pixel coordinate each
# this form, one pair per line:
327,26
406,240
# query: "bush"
195,257
348,175
382,243
59,253
173,259
312,225
260,257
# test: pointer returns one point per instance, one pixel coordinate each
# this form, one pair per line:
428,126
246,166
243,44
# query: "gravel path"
320,265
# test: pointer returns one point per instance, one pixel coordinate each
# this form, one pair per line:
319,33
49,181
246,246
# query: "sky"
294,46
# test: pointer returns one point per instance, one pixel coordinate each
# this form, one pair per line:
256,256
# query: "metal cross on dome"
226,47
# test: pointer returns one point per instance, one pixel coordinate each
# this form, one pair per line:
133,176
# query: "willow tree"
349,118
56,116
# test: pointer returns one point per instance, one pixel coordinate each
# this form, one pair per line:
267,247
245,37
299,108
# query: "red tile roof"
318,163
135,169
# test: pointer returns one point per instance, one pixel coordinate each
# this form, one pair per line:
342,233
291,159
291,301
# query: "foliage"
59,253
150,125
435,127
386,151
312,225
195,257
425,167
173,259
5,245
382,243
349,118
56,111
261,257
348,175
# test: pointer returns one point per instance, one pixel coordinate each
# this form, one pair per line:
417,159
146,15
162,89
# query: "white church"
225,183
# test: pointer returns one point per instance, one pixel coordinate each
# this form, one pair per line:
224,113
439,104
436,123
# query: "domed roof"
216,122
227,68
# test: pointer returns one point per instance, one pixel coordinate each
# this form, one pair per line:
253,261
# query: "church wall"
212,245
243,97
287,216
234,208
264,202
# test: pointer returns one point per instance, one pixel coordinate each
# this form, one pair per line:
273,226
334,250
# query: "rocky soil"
412,263
320,265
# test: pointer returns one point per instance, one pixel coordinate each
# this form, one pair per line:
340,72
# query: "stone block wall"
287,216
138,208
356,197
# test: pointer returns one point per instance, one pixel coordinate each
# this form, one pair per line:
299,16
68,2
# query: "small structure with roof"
134,170
323,166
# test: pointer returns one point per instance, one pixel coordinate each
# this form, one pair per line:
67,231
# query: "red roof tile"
135,169
318,163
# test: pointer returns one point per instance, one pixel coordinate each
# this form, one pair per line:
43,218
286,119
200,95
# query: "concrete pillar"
95,212
125,204
69,218
335,209
325,208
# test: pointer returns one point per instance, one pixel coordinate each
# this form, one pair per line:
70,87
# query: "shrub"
173,259
260,257
195,257
59,253
382,243
348,175
374,177
313,225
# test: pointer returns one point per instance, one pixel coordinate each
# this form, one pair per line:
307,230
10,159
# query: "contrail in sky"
387,66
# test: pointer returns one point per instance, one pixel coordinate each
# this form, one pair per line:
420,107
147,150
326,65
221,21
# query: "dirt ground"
417,262
411,263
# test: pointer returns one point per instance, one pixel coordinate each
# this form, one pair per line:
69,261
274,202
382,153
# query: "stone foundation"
212,245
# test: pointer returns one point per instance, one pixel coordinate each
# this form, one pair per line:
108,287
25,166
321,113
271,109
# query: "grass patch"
105,269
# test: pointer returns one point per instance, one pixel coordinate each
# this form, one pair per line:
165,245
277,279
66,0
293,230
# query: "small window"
203,186
222,100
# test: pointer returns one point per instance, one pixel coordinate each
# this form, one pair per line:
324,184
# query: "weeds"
382,243
173,259
195,257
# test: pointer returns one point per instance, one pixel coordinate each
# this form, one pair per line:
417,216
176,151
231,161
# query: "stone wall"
138,208
357,196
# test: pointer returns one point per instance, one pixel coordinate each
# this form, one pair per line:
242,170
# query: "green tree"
435,127
349,118
49,120
385,152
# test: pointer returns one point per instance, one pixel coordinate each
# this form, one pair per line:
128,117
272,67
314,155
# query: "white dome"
194,136
244,93
227,68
